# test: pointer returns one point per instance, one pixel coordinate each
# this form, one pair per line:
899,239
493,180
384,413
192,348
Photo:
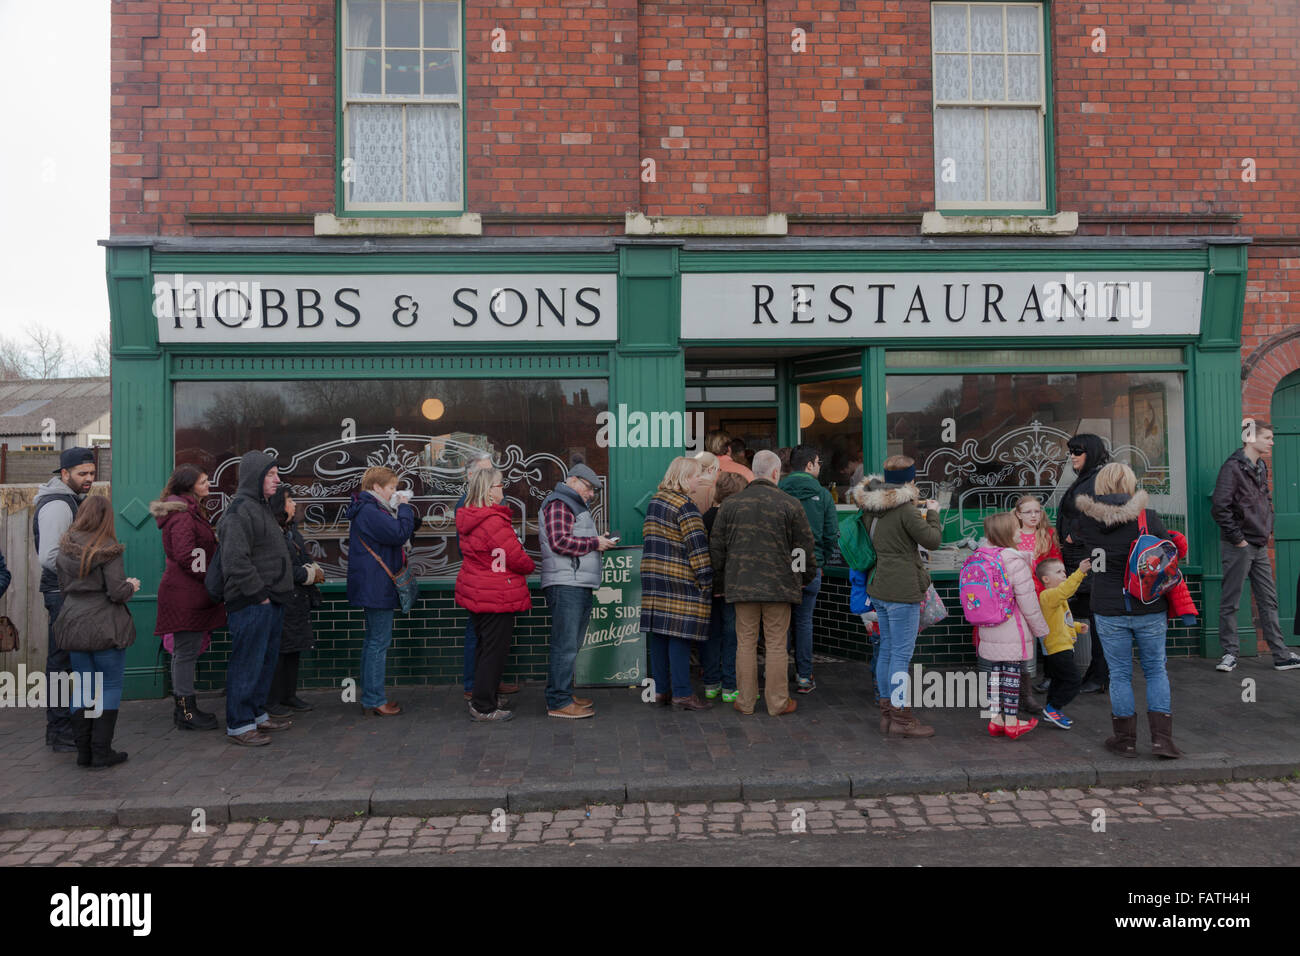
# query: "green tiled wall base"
428,643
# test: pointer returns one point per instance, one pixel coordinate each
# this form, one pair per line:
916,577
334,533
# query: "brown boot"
1029,703
886,714
1124,741
1162,735
903,723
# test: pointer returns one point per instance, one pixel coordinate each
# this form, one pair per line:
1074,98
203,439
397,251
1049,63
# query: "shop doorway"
1286,499
739,398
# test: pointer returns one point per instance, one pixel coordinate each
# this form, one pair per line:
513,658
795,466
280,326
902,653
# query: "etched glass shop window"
325,434
981,440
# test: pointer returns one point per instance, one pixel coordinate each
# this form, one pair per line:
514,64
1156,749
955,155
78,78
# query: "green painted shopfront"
976,357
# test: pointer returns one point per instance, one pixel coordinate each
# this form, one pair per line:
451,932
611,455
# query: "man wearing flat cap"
571,572
54,507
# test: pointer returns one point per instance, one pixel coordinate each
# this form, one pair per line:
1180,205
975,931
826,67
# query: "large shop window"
982,439
830,419
402,104
325,434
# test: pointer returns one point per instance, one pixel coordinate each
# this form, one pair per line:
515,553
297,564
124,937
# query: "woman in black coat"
1110,523
296,635
1087,456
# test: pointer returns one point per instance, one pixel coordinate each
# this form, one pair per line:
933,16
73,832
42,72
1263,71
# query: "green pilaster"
875,442
649,374
142,445
1215,386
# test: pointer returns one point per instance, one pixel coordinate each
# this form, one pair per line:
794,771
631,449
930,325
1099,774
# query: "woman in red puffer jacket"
492,585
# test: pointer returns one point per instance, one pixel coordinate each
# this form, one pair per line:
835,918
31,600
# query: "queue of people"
729,552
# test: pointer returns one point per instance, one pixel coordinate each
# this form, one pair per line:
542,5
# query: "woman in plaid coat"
676,584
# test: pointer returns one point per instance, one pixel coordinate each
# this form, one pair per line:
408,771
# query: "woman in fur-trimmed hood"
1109,522
891,509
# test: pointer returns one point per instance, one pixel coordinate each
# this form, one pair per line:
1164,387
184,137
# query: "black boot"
81,726
187,716
1028,702
102,753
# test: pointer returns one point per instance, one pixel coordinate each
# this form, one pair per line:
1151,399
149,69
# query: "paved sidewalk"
432,761
364,841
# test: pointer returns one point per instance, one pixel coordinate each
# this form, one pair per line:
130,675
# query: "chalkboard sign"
613,651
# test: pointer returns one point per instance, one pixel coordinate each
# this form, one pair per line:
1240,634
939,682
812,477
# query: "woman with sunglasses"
1087,456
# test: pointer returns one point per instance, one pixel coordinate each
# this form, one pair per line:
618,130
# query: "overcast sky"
54,166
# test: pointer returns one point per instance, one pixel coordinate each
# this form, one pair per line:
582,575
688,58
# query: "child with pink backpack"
998,597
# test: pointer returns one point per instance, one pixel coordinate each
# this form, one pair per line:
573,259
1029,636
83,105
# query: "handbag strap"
390,574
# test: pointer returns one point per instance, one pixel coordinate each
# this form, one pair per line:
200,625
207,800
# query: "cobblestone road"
367,838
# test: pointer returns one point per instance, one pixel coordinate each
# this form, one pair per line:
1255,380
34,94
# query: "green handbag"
855,542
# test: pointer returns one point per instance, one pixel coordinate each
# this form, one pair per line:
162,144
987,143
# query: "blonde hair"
707,460
1001,529
377,478
898,463
681,472
718,442
1043,533
479,488
1116,478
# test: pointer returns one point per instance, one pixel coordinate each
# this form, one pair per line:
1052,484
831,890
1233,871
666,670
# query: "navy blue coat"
368,585
5,576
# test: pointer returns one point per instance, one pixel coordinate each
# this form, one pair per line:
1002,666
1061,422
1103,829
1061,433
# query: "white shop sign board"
814,305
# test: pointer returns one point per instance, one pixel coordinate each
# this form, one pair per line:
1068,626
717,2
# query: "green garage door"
1286,498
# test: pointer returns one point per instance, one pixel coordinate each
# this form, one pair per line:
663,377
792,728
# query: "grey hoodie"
52,522
255,561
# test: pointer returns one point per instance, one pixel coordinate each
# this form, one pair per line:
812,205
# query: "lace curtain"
987,53
381,136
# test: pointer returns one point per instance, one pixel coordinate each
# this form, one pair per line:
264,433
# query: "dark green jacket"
899,574
754,542
819,508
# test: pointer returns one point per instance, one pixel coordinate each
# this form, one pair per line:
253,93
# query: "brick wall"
736,120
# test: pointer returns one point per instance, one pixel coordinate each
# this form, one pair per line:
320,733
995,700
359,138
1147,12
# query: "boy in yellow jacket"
1058,645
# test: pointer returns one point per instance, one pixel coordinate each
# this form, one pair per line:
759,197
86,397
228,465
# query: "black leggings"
494,633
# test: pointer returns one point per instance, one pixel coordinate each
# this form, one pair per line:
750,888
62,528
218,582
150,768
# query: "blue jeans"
1117,634
570,609
85,665
718,653
471,646
374,655
56,662
670,664
254,652
899,624
801,627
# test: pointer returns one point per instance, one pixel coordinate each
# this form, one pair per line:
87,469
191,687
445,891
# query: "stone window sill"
469,224
1061,224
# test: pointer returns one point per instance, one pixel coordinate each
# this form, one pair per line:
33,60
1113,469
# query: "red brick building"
997,131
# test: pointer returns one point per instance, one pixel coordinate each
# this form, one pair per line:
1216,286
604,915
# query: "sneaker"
1228,663
1290,664
572,712
729,696
497,714
711,691
1056,717
297,703
804,685
277,710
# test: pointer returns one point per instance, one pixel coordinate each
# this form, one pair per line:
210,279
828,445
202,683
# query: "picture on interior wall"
1148,424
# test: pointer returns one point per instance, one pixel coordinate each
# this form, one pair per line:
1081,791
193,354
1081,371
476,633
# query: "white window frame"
1043,203
405,101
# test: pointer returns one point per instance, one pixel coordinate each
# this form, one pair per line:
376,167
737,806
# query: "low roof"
73,403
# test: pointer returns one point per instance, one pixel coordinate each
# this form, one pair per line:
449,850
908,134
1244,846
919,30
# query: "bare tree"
13,360
94,361
48,353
